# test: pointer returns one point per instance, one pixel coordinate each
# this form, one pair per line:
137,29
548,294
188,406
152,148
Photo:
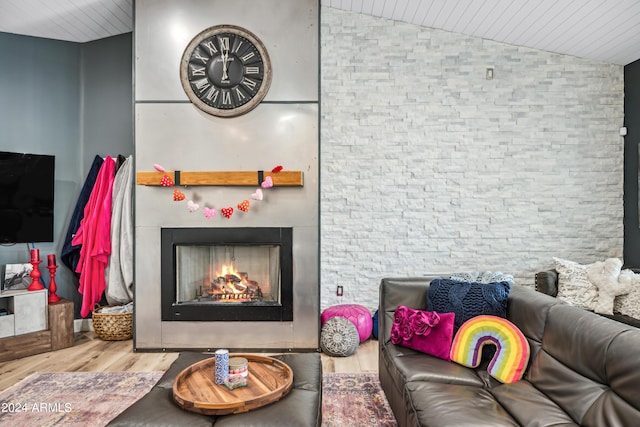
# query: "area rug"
80,399
72,399
354,400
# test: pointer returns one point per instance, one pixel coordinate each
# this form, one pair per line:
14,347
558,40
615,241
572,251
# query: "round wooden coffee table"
195,390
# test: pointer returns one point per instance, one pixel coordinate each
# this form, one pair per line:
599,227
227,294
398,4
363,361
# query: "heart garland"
208,212
227,212
178,195
244,206
192,206
267,183
166,181
257,195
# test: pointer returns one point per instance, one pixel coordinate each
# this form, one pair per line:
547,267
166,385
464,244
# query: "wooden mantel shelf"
219,178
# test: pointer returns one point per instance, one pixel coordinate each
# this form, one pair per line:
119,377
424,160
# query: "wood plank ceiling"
602,30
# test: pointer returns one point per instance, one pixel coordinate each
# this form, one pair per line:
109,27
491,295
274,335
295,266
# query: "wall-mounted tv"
26,197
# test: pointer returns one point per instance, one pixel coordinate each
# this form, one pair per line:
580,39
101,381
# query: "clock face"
225,71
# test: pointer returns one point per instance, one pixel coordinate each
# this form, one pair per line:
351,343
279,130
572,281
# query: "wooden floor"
91,354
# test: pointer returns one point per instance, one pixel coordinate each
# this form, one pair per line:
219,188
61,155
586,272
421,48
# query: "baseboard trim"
82,325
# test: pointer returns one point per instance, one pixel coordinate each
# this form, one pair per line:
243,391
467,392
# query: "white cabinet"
27,312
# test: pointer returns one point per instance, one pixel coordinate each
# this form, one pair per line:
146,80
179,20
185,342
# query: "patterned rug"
72,399
350,400
80,399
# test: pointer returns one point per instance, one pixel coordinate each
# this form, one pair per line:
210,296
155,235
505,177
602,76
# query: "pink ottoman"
355,313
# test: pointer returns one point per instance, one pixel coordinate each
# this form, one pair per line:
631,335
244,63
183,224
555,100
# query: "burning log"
233,286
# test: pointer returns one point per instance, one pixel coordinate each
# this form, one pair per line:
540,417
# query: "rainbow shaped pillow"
512,348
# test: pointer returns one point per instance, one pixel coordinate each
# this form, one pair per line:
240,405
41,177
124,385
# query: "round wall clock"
225,71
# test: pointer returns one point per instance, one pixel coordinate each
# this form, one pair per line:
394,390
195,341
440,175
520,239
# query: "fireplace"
227,274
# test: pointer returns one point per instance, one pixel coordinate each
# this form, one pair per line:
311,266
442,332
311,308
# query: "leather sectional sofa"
584,369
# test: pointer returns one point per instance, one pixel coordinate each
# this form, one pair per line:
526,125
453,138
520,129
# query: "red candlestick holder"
52,284
35,274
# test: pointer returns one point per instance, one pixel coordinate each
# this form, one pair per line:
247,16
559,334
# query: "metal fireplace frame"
185,311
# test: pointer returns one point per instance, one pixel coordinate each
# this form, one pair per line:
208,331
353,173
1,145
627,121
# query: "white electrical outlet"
489,73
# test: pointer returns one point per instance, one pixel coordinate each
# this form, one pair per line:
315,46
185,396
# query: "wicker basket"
112,326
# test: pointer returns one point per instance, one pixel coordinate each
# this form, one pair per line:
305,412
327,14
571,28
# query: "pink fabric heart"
257,195
158,167
267,183
192,206
208,213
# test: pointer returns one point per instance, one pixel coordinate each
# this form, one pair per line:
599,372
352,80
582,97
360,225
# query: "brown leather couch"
584,369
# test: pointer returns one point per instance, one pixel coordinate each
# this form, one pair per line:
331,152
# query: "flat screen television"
26,197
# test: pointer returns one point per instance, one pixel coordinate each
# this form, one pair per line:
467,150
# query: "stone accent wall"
427,167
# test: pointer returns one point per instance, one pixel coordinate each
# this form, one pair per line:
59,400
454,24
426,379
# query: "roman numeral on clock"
210,47
226,98
212,95
195,71
248,56
197,55
202,85
248,83
239,94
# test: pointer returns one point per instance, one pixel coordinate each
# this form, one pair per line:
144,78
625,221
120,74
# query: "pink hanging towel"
95,237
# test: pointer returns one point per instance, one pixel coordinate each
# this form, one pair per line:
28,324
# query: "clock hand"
224,46
225,66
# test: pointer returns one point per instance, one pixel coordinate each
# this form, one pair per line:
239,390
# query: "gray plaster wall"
40,113
71,100
427,167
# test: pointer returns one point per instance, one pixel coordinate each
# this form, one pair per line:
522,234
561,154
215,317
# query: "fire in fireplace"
231,285
227,274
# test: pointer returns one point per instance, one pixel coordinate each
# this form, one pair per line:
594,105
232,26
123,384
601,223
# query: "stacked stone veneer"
426,166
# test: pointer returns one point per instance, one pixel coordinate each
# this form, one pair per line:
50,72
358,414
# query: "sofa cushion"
525,403
436,404
426,331
528,310
405,364
599,362
468,299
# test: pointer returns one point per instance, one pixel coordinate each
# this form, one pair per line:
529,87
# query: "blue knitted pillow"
467,299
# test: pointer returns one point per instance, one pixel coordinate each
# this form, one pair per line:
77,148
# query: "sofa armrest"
547,282
410,292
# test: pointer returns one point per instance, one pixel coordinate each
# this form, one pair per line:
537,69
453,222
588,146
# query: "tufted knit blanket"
468,299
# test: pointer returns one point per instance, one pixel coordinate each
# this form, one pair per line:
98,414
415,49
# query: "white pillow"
605,276
573,285
629,304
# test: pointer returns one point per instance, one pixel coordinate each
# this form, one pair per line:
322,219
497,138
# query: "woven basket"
112,326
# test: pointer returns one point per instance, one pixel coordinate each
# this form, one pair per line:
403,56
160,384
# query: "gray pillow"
339,337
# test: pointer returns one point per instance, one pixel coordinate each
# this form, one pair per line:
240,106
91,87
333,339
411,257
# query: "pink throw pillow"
425,331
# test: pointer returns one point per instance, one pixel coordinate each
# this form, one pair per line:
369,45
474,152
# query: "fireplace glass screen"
228,274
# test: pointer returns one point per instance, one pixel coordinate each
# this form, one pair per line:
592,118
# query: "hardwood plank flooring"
91,354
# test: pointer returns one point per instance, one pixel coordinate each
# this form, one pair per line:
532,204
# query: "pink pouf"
357,314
